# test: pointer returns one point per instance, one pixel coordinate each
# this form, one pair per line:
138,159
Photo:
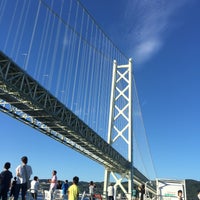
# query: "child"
34,187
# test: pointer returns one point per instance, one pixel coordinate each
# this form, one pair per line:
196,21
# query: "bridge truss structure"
28,101
25,99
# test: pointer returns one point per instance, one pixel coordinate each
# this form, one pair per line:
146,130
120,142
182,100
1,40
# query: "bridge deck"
21,91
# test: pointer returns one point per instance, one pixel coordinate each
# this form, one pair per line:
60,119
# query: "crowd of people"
138,192
12,186
72,191
21,182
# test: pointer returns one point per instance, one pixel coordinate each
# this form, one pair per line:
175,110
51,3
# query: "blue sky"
163,39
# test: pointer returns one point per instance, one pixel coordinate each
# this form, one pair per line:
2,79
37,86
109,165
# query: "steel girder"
25,99
21,91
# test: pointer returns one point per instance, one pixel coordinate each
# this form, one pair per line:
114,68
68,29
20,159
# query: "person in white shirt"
23,173
198,194
34,187
110,191
53,183
92,186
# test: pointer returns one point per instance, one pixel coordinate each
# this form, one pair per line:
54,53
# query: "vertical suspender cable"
68,68
80,65
54,64
91,83
87,64
47,53
11,26
76,53
72,57
32,37
77,59
60,66
40,62
99,85
22,32
2,9
18,32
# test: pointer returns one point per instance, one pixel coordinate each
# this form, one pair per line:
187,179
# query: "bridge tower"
121,111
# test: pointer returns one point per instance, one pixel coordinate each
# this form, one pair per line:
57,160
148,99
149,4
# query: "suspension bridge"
62,75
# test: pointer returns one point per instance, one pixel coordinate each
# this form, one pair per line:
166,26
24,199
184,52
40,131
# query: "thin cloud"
145,49
149,24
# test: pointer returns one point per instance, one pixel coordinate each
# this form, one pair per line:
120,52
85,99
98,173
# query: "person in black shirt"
6,177
142,192
13,186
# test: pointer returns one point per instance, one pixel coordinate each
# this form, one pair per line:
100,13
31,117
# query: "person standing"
6,177
13,186
142,192
134,193
53,183
34,187
180,193
59,185
91,190
198,195
110,191
73,190
23,173
65,187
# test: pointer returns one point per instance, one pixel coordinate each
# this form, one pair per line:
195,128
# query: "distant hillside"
192,187
83,186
